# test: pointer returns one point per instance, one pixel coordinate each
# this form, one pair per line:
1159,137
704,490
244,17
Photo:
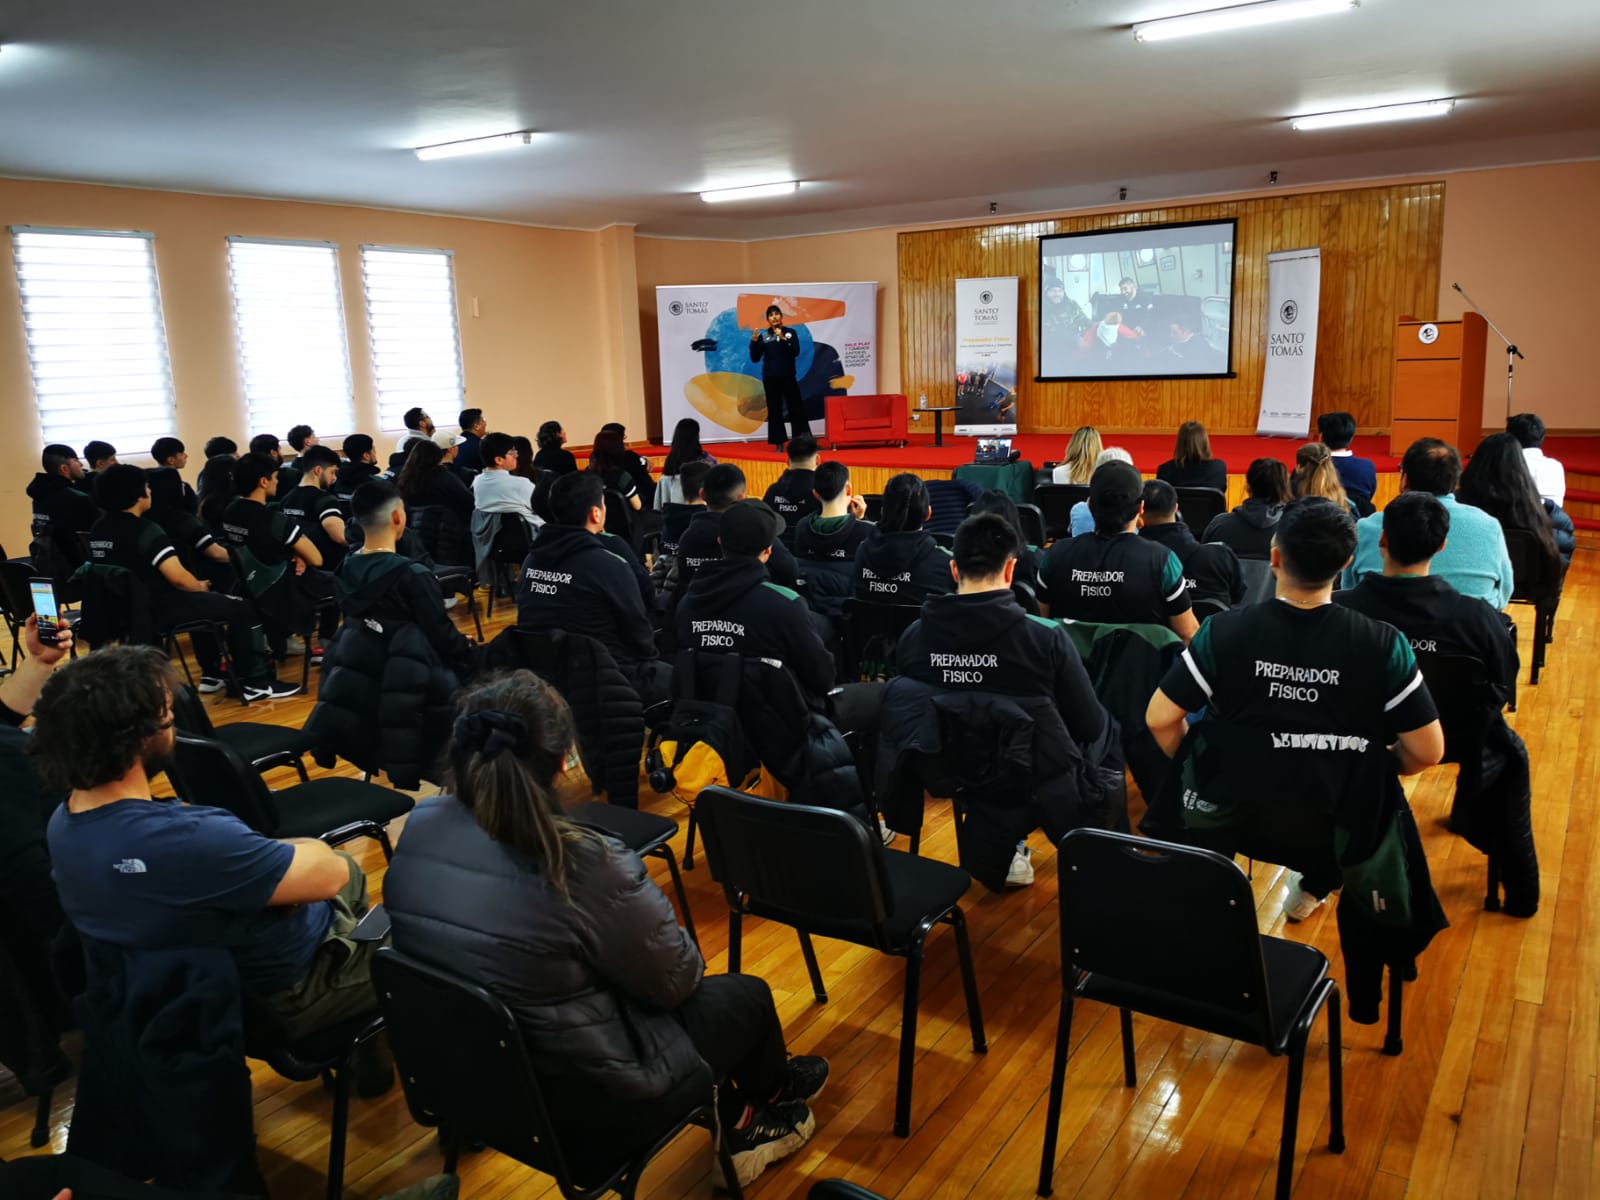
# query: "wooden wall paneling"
1380,258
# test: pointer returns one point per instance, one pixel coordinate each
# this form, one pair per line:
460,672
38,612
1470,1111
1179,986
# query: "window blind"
415,336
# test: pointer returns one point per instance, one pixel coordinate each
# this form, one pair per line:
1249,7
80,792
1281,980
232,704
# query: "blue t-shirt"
156,873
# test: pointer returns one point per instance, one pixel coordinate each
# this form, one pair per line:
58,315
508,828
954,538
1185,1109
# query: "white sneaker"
1021,872
452,601
888,835
1298,904
294,645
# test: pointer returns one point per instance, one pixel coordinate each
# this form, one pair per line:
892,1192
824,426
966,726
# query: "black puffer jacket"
605,707
591,978
383,703
1247,530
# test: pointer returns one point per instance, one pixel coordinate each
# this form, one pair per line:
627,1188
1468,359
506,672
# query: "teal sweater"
1474,559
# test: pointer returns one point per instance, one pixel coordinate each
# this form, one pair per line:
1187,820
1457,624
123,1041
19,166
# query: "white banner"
1294,283
986,356
706,370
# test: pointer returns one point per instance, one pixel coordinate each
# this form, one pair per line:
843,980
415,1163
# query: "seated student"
99,456
427,481
1549,476
360,464
281,564
267,444
1315,475
61,511
793,496
376,581
1475,562
1358,475
169,452
1002,505
201,553
219,446
563,925
189,875
610,460
689,484
1191,464
1497,481
1079,461
1210,569
826,541
125,538
684,450
1437,619
1113,576
314,505
1079,519
497,489
1011,653
1249,528
473,426
300,437
579,579
419,427
724,486
553,456
901,563
1300,664
638,465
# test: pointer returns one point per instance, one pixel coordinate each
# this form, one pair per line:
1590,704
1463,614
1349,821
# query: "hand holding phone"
45,609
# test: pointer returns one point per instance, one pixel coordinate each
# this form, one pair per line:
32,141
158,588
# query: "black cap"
1115,485
749,528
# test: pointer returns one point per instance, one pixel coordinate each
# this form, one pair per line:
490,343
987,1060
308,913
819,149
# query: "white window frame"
330,408
391,414
55,370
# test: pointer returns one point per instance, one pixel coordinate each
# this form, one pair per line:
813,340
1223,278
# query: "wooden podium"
1438,382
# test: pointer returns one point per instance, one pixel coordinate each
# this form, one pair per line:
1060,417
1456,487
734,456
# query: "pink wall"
1524,242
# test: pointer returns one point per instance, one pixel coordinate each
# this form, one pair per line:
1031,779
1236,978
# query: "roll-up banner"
986,356
706,371
1294,282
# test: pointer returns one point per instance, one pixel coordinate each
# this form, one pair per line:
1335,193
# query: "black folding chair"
824,872
507,552
1199,506
308,627
874,510
1208,606
869,632
466,1070
335,810
1536,581
1032,524
1185,948
16,602
647,835
264,746
1054,502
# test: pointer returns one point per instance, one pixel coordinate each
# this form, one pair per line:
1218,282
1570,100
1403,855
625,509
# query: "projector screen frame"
1038,324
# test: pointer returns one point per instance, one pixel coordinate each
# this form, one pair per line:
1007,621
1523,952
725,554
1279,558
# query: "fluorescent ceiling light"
759,192
483,145
1375,116
1240,16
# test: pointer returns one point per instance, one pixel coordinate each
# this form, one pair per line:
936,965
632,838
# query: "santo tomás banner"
986,356
1294,286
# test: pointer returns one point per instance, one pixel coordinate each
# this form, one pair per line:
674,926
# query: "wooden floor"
1495,1095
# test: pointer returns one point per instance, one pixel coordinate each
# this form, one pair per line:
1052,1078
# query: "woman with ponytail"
492,883
902,563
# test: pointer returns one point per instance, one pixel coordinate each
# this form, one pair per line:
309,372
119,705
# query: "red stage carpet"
1149,450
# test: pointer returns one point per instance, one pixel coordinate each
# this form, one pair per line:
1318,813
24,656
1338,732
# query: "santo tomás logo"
1288,312
676,308
985,297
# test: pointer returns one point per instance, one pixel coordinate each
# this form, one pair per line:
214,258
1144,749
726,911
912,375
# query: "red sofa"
866,420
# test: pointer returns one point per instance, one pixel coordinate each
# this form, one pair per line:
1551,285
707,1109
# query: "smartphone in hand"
45,608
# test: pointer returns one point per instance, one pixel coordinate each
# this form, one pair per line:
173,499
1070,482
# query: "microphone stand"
1512,353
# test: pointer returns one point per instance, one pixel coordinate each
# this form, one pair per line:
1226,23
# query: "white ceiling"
892,110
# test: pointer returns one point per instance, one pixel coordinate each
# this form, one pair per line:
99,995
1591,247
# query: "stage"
872,467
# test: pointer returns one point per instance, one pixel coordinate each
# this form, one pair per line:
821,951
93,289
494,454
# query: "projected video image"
1152,302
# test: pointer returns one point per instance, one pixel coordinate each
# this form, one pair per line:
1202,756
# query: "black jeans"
783,398
734,1026
231,612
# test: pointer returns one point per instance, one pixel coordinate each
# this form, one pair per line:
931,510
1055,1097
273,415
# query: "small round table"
938,421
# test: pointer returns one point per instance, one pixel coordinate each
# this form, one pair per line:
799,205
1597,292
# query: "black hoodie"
1437,619
1211,569
902,568
734,608
393,589
1248,529
351,476
985,642
584,583
827,547
700,546
791,497
60,513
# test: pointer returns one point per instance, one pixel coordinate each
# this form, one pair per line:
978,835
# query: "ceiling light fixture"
759,192
482,145
1374,116
1240,16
